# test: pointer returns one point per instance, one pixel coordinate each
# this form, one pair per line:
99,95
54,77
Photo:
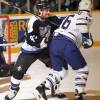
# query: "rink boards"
37,72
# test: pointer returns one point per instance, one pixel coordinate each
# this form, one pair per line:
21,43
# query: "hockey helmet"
42,4
85,5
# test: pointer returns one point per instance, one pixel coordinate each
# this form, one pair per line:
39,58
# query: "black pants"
25,60
2,59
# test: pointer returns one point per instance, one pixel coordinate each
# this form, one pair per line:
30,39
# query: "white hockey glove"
43,43
87,40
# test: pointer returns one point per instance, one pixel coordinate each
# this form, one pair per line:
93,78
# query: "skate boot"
40,92
79,96
11,94
56,93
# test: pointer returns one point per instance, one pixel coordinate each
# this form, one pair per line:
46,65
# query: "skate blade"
55,98
37,95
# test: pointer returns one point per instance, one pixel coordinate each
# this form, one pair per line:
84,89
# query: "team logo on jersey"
19,68
44,31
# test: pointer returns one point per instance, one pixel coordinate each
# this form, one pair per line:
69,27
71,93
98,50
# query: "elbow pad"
33,40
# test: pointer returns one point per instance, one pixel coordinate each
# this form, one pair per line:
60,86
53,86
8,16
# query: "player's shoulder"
71,15
84,16
53,17
33,18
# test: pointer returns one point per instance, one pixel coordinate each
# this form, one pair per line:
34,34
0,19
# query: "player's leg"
80,83
74,57
55,92
45,58
20,69
2,58
51,82
54,78
5,69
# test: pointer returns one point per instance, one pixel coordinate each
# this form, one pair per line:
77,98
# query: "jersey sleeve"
54,20
32,36
83,24
31,23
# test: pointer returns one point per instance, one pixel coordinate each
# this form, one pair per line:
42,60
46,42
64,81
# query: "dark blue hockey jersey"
39,32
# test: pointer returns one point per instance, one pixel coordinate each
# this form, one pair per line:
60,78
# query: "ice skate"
39,92
11,94
56,93
79,96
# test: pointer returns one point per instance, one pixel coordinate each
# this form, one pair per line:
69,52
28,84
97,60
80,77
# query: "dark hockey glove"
87,40
6,70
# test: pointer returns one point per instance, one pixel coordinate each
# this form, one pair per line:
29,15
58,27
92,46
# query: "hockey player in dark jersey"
2,58
39,32
5,69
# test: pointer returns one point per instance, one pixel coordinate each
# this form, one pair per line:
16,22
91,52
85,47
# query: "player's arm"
87,40
55,21
32,34
33,37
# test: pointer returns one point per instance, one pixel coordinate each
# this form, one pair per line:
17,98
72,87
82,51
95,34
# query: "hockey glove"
87,40
43,43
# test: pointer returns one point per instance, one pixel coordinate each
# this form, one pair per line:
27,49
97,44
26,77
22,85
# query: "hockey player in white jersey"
64,48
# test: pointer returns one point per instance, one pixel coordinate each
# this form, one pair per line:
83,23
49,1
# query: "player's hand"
43,43
87,40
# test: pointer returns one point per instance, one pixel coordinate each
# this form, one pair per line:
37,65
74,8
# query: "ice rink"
37,72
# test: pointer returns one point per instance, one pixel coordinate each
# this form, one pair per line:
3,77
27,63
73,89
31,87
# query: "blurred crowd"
30,5
56,5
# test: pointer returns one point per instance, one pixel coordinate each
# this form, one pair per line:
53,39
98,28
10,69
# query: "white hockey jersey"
74,25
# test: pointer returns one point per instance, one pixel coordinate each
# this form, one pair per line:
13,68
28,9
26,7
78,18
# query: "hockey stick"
14,6
8,44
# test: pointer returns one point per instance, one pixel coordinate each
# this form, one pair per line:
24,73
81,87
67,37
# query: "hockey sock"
14,83
81,79
54,78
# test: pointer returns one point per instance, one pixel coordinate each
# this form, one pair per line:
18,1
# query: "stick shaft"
14,6
8,44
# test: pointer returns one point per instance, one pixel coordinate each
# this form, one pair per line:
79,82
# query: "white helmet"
85,5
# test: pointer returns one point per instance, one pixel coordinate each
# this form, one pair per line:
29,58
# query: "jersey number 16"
66,22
